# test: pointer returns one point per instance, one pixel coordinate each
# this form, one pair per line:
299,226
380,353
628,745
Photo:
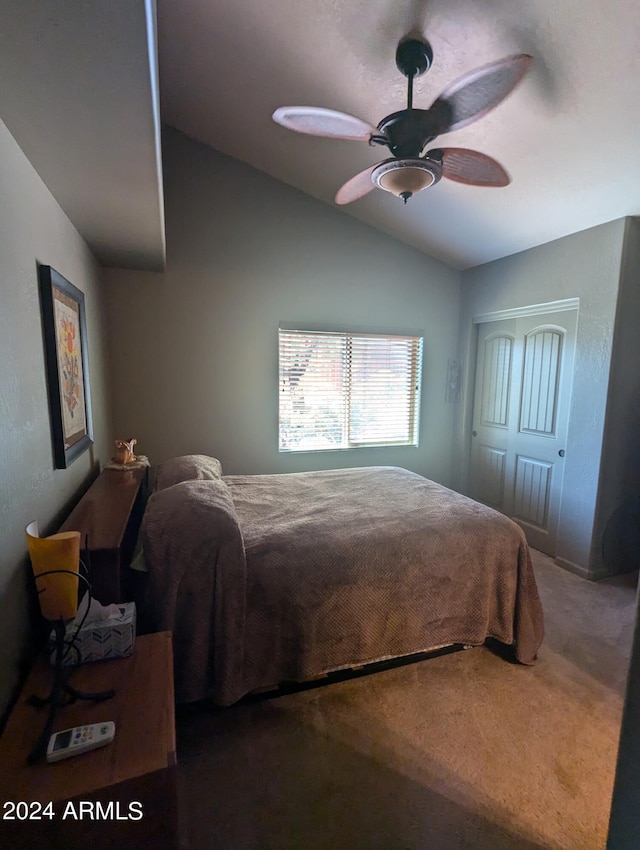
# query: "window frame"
413,376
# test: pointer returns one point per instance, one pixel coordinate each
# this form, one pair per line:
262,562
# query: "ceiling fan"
406,133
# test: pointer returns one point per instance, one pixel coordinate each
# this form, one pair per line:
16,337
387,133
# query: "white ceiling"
568,135
78,92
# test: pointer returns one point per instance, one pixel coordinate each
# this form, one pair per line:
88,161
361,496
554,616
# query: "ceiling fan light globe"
405,177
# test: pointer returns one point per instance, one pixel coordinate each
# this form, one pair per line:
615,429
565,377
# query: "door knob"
561,452
474,433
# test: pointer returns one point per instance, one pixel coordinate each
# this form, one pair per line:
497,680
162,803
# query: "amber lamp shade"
56,562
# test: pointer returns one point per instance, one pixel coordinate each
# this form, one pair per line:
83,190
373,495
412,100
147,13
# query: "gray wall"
617,525
584,265
194,349
34,228
624,822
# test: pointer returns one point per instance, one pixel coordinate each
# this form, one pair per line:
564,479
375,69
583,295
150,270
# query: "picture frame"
67,366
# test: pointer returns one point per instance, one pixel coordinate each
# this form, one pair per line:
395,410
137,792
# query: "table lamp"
55,561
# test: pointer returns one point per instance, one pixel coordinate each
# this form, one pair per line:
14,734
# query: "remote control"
80,739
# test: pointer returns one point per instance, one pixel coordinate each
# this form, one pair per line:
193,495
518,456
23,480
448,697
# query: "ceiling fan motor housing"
406,132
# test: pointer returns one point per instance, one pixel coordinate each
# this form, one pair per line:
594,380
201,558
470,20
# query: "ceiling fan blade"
317,121
357,187
476,93
470,167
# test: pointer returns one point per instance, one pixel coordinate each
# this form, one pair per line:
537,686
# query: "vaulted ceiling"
568,134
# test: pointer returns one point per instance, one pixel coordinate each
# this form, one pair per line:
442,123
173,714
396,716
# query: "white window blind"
347,390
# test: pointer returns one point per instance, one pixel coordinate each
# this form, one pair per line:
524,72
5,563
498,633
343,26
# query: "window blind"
348,390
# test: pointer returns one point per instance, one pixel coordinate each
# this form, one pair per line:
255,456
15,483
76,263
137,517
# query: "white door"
521,410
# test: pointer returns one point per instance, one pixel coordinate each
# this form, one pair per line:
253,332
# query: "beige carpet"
461,751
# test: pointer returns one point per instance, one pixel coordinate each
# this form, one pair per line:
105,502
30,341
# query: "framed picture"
65,344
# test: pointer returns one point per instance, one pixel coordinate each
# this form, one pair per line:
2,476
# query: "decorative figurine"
124,451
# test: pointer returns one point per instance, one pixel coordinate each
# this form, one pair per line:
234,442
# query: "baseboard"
590,575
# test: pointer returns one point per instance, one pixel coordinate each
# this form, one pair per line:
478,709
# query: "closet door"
521,409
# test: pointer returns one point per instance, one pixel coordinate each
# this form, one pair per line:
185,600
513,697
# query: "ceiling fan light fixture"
407,132
404,177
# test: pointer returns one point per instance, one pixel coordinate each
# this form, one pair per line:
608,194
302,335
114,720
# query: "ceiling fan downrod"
413,57
406,132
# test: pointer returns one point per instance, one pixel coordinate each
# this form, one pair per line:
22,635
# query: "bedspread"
269,578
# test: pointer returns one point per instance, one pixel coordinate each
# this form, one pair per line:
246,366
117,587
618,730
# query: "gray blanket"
271,578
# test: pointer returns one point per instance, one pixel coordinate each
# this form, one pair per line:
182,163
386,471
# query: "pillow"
187,468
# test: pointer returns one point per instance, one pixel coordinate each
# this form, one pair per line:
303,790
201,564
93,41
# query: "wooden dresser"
132,779
108,517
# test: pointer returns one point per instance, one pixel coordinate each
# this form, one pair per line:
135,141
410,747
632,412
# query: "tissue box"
100,640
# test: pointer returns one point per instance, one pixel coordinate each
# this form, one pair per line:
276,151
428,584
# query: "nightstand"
126,791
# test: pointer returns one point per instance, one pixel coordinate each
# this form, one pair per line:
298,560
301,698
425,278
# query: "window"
348,390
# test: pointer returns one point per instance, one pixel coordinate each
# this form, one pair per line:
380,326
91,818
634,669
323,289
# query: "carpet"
460,751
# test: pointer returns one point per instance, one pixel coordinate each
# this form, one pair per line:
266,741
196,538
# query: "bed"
265,579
